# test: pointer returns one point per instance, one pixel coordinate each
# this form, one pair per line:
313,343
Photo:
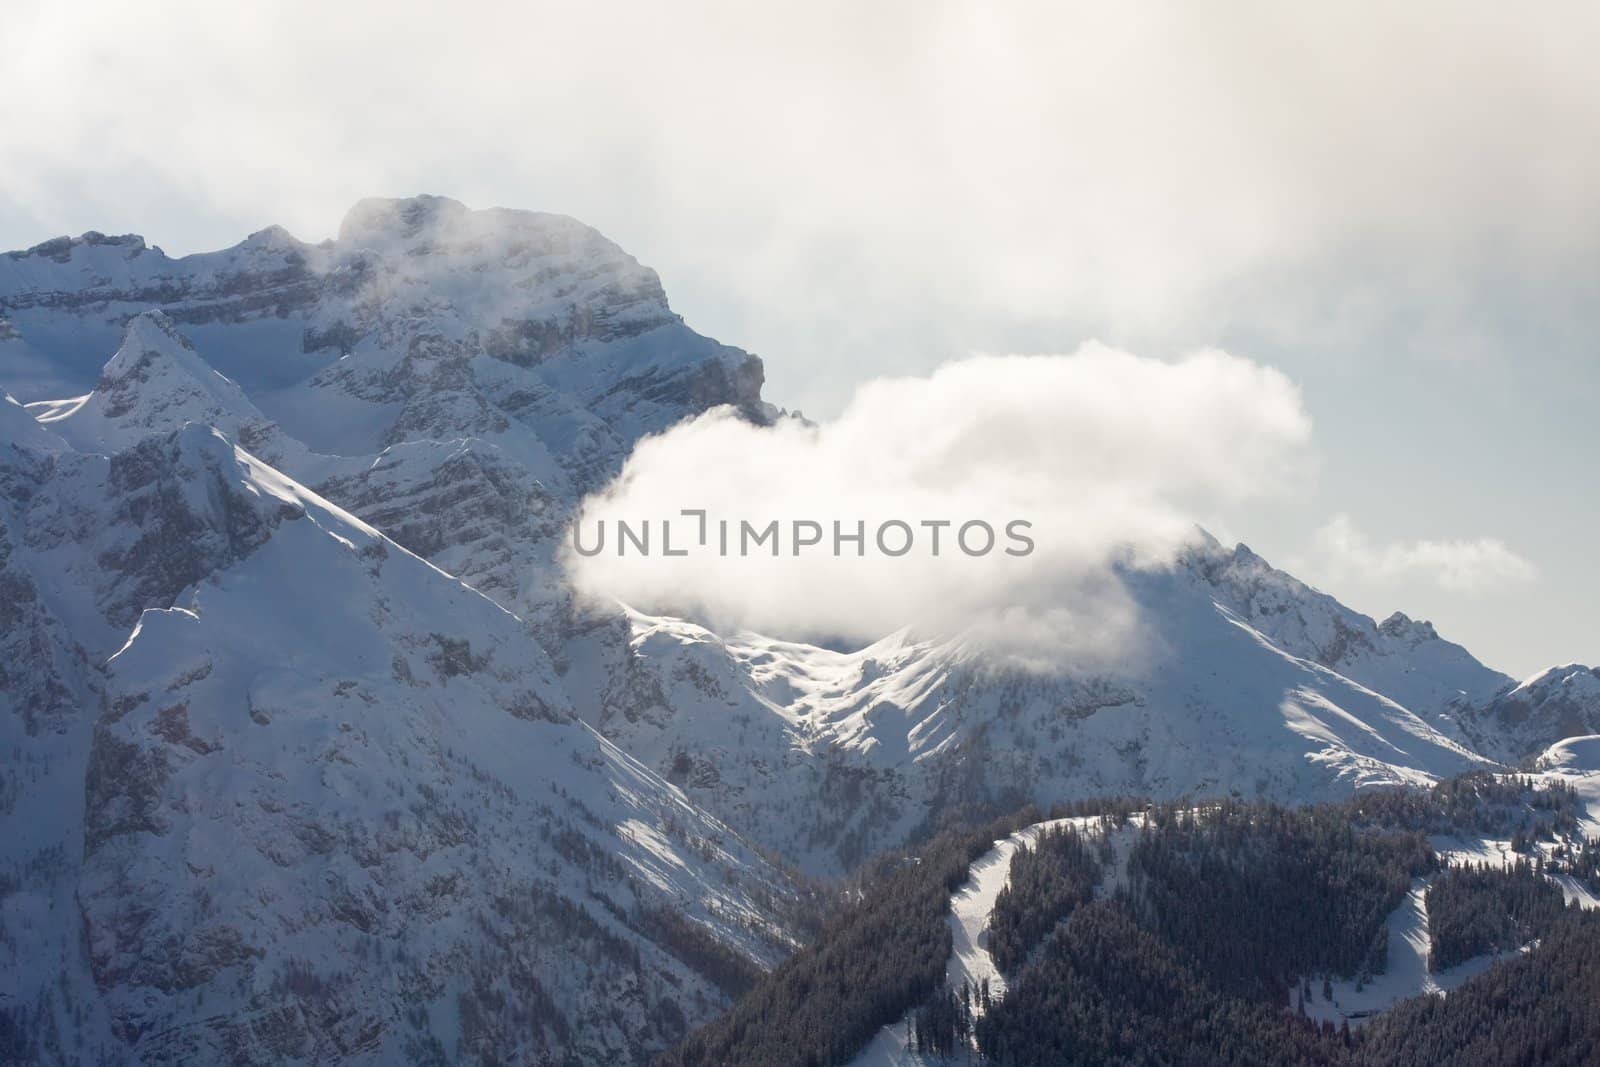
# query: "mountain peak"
151,330
1244,555
61,248
384,219
155,383
156,355
274,238
1403,627
1526,718
501,237
1570,677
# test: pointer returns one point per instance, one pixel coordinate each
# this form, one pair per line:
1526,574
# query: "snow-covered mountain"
828,757
1524,719
278,790
1403,659
369,365
288,787
1247,680
156,381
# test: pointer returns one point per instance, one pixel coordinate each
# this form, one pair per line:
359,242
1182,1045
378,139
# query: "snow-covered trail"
1407,974
970,961
973,903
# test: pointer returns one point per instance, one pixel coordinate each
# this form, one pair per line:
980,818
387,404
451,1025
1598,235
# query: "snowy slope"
971,905
828,756
1407,973
970,963
1576,762
21,433
321,800
1402,658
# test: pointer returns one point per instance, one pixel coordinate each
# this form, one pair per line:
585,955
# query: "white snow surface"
970,962
1574,762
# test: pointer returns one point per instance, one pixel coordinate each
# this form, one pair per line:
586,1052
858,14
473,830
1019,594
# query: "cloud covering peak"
1104,455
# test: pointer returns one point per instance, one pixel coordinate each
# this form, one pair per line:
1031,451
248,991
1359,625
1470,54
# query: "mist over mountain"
317,754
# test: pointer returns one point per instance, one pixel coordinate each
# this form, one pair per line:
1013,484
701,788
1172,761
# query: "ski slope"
970,960
1406,976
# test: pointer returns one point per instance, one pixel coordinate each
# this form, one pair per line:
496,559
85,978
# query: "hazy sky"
1393,204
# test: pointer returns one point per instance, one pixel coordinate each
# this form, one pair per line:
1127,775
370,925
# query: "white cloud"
1341,552
1106,454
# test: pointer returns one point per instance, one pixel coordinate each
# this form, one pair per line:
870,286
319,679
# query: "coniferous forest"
1256,894
1201,938
1481,909
1538,1008
1047,882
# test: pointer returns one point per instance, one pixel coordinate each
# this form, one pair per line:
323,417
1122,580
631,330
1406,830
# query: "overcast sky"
1393,204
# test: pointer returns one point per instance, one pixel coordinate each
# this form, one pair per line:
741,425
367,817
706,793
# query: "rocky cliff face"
423,319
372,366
